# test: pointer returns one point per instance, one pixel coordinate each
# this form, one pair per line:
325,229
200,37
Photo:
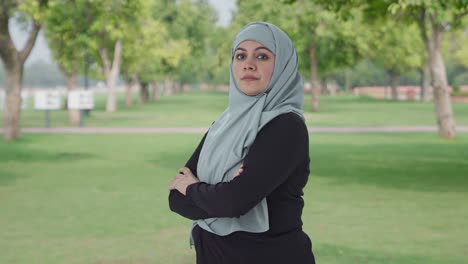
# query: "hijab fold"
230,137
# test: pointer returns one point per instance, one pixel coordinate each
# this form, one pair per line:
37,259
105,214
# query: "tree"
221,61
141,55
32,13
434,18
66,32
193,22
396,49
149,52
109,21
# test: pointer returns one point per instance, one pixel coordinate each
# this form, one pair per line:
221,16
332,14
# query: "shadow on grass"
19,151
8,177
420,167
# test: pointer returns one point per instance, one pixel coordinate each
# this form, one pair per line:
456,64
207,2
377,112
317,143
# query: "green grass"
365,111
371,198
200,109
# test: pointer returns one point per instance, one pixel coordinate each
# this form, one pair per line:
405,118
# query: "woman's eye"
240,56
262,57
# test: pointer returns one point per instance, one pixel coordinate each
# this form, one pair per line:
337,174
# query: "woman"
243,184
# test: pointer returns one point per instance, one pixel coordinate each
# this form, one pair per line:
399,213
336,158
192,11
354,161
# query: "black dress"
276,167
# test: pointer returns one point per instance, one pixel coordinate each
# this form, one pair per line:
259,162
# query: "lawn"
200,109
371,198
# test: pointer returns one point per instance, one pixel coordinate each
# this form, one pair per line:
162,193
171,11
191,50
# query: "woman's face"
252,66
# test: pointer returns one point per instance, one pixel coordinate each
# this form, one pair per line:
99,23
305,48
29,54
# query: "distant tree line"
365,73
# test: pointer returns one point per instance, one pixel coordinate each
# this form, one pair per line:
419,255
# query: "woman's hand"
182,180
239,172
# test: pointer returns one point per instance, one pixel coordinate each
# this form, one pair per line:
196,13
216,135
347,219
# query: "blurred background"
386,102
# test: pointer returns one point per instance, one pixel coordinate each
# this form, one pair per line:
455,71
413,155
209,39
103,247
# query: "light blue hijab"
230,137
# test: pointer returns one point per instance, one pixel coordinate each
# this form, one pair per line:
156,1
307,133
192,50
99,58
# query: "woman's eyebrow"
263,48
258,48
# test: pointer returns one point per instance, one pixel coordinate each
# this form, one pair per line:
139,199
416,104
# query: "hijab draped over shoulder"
231,135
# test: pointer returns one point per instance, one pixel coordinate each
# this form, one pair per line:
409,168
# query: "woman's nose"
249,64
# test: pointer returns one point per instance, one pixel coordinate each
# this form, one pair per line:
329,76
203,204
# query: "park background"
72,193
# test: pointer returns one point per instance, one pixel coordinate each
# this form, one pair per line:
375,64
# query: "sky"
41,51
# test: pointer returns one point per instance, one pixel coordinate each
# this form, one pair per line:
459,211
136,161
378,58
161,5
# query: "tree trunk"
156,91
177,87
128,94
169,87
13,60
314,78
332,87
112,72
442,101
394,81
129,90
425,68
348,82
425,82
324,87
144,93
72,84
12,110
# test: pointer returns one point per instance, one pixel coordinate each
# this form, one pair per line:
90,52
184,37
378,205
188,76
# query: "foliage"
110,20
41,74
339,44
29,10
66,32
447,13
77,29
221,38
180,39
149,49
461,79
398,48
191,24
456,42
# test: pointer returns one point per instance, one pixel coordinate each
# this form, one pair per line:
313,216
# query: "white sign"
24,100
80,99
47,100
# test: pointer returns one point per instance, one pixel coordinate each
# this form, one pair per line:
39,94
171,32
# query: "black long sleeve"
180,203
278,150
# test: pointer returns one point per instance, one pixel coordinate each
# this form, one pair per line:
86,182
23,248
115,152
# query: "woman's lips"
249,78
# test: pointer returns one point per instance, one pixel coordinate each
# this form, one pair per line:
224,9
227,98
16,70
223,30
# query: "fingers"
185,177
173,184
185,171
175,180
240,171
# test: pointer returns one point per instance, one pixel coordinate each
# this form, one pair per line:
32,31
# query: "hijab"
231,135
